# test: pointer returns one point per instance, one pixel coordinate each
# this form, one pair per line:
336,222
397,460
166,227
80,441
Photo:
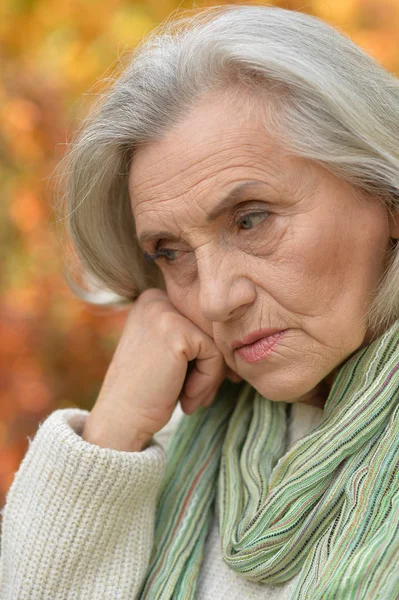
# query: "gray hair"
325,97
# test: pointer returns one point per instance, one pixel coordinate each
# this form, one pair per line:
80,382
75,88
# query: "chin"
291,392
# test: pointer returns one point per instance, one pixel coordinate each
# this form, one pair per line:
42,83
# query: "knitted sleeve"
78,519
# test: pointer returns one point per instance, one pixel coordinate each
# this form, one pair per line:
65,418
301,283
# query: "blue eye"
169,254
249,217
166,253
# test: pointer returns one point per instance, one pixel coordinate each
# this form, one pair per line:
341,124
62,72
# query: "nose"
224,286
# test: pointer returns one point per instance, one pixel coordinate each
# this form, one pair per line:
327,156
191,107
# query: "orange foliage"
54,349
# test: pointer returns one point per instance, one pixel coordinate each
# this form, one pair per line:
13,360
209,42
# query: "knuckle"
166,321
153,294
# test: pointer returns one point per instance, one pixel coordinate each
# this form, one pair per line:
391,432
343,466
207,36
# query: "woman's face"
295,250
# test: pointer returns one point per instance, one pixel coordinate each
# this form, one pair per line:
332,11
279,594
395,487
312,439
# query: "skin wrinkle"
309,266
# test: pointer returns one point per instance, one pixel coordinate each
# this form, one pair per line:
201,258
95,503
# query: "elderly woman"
239,184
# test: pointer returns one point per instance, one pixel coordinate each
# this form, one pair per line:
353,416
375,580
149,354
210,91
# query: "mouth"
255,336
260,349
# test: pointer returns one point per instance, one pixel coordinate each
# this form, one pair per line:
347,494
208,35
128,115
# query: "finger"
205,377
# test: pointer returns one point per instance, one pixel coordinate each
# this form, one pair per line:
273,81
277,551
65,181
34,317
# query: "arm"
78,520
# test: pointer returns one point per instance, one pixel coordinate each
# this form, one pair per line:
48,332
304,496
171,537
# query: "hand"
148,375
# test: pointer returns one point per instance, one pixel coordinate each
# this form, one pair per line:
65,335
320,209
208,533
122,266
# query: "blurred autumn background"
54,348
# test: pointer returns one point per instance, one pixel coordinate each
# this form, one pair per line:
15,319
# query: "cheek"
331,263
304,272
182,299
186,302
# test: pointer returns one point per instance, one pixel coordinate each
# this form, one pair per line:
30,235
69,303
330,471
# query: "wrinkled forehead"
215,142
167,170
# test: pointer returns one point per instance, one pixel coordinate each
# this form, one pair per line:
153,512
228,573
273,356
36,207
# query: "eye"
248,217
163,254
170,255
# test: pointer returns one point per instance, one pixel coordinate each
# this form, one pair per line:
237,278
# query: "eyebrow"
236,193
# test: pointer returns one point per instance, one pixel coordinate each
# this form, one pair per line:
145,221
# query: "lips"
254,336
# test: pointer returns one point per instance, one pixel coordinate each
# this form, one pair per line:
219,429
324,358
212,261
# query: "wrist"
132,441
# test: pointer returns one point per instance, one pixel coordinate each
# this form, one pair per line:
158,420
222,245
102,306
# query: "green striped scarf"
328,508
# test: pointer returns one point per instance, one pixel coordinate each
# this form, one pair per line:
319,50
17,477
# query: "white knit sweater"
78,519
